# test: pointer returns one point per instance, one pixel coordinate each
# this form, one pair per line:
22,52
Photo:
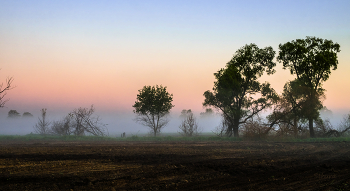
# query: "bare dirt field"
174,166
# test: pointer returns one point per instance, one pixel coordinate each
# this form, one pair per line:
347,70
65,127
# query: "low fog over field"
119,122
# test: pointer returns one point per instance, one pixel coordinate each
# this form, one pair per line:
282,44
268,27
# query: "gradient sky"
68,54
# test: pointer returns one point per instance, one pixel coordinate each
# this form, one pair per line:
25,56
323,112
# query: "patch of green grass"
31,137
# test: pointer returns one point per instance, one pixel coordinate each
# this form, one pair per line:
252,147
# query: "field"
173,165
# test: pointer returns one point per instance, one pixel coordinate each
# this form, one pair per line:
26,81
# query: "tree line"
237,94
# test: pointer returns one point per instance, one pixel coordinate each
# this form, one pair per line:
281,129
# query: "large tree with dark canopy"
237,93
152,107
311,60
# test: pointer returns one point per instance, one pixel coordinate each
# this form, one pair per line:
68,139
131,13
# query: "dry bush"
189,126
62,127
254,128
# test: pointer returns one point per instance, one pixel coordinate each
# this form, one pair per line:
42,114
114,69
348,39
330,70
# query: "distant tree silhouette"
27,114
185,113
13,114
152,106
237,83
208,113
4,89
311,60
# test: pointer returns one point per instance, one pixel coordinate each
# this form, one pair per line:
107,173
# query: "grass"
31,137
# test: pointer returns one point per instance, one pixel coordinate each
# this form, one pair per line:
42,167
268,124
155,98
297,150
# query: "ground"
218,165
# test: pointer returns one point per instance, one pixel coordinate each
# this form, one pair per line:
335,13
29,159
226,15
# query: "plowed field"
174,166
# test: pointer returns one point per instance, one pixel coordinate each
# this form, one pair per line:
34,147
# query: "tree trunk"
236,126
295,128
235,132
311,127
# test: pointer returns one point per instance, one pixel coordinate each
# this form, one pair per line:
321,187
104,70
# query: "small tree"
189,126
152,106
42,127
13,114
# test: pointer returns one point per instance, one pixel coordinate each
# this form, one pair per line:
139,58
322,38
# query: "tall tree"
237,89
152,106
311,60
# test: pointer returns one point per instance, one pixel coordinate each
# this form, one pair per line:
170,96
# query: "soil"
174,166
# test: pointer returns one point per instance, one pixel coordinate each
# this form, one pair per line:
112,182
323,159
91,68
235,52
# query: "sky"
68,54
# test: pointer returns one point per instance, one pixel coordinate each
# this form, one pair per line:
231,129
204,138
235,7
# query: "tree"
152,106
311,60
4,89
236,85
189,126
13,114
208,113
42,127
185,113
27,114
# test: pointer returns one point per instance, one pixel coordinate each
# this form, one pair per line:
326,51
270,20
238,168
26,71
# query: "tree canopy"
152,105
311,60
236,87
13,114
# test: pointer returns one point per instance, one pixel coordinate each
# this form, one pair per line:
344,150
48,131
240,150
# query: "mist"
116,122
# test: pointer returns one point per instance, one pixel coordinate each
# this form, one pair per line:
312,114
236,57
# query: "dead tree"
43,126
83,122
329,132
4,89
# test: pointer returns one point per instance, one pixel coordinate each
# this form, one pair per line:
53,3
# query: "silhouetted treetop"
13,114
